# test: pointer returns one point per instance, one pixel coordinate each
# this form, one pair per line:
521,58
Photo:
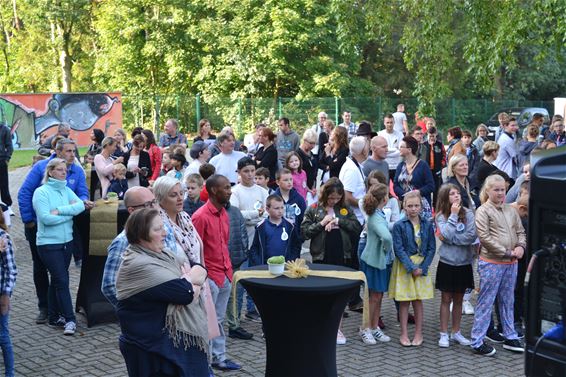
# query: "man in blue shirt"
172,135
76,181
135,198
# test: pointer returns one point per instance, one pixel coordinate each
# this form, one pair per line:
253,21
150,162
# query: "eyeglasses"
311,142
149,204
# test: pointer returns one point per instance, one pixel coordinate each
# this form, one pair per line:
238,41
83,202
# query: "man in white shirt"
226,162
393,138
348,124
401,124
352,176
318,128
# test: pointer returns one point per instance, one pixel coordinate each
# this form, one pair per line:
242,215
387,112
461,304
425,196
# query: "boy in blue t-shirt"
275,235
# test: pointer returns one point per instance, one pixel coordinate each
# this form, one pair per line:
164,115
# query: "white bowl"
276,269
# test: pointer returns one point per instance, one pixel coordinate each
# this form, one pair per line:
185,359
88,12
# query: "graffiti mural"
30,116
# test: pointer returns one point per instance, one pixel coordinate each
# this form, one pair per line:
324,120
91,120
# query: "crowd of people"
343,195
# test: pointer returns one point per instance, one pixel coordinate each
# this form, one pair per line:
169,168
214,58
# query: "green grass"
25,157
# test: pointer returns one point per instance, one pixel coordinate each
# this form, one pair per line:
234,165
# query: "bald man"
135,198
376,161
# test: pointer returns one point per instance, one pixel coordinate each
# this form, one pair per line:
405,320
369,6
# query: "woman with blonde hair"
481,138
486,167
104,163
457,173
55,204
414,245
503,241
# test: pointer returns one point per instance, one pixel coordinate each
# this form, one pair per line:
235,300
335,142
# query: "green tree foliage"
233,49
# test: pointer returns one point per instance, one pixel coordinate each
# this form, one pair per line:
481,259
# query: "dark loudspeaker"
545,284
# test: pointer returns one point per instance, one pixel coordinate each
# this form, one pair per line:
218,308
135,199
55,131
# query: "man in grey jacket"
287,140
6,150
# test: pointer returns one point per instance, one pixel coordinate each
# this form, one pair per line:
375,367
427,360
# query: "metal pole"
336,109
156,122
197,109
177,107
280,107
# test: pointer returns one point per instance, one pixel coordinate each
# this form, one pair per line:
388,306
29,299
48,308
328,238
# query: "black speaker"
545,284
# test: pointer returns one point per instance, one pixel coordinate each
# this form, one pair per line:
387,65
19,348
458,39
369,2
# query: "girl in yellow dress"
414,245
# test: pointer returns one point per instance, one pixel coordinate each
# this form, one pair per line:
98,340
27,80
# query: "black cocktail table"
300,320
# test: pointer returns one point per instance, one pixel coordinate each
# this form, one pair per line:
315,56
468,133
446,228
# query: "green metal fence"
243,113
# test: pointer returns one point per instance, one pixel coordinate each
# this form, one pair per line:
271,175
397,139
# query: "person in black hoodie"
434,154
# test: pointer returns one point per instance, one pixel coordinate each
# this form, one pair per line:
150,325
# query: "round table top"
310,283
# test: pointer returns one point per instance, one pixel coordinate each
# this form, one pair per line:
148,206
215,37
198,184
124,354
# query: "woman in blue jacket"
55,204
414,245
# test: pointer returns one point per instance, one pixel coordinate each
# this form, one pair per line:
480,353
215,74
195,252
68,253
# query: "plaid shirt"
352,129
8,269
114,259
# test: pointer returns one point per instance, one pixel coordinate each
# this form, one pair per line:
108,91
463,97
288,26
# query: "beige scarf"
142,269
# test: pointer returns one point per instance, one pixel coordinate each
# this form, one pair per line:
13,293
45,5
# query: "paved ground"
42,351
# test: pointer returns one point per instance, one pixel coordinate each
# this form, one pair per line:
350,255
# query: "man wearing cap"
365,130
172,135
393,138
200,154
226,162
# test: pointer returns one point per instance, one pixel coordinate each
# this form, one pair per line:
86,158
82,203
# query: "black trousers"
4,187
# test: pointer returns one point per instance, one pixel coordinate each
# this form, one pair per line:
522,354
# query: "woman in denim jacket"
414,245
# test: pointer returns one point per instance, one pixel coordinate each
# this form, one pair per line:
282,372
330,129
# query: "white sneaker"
461,339
451,304
340,338
367,337
70,328
379,335
444,341
467,308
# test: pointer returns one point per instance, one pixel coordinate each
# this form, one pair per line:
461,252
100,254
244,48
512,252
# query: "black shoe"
380,323
240,333
357,305
495,337
484,350
41,317
254,317
411,319
345,315
513,345
59,324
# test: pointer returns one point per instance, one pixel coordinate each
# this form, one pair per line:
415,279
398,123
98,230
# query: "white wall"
559,106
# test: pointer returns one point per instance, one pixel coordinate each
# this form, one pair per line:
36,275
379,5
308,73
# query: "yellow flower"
343,211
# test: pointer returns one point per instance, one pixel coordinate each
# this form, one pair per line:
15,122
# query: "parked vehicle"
524,116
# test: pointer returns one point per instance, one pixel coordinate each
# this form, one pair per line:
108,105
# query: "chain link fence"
243,113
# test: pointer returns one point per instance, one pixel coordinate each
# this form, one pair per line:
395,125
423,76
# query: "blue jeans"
220,297
234,321
40,275
57,259
6,345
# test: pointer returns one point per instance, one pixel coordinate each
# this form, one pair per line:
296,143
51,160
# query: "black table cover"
90,299
300,320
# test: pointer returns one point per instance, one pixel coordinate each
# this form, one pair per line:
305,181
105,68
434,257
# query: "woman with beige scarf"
161,312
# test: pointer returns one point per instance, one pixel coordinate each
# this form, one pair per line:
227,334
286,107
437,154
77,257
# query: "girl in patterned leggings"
502,239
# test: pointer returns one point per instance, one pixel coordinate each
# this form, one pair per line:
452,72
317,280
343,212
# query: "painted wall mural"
30,115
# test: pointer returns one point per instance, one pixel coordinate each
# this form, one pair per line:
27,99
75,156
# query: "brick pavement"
42,351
